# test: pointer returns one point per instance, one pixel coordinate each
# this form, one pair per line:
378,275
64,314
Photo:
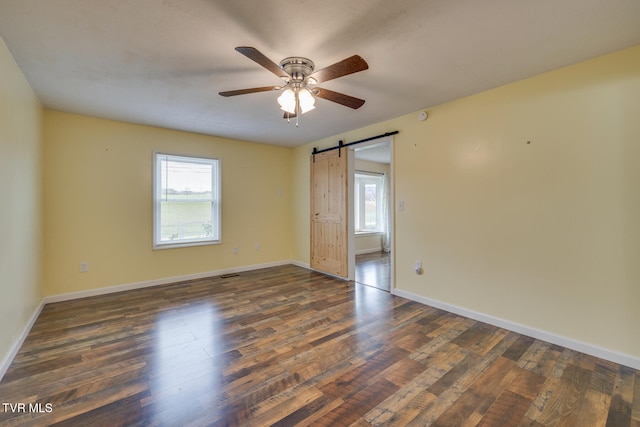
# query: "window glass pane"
184,180
368,190
370,215
185,220
186,201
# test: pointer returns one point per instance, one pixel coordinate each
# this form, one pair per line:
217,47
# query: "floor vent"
225,276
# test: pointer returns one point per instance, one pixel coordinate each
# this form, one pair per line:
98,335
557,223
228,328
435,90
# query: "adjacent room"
428,217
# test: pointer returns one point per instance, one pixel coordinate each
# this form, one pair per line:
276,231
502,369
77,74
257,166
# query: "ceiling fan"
299,92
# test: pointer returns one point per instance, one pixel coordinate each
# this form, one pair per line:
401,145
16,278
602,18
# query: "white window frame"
216,223
360,180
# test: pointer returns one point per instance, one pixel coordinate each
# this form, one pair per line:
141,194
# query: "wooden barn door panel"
329,220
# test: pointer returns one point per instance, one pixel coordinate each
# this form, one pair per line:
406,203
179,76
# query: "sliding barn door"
329,221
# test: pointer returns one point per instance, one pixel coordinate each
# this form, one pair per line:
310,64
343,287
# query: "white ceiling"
163,62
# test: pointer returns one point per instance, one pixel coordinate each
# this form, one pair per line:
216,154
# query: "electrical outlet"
84,267
418,267
235,250
257,246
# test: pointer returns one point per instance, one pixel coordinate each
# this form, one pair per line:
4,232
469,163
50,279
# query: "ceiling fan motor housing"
297,67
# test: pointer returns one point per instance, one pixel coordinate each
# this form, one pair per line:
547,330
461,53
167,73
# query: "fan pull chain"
298,109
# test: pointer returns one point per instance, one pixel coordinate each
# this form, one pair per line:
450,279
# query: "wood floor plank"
403,371
373,269
451,394
359,377
567,396
635,408
478,397
594,409
413,394
518,348
620,408
527,384
288,346
506,411
274,410
355,405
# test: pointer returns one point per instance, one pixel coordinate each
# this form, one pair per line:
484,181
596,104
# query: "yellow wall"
545,234
20,202
98,203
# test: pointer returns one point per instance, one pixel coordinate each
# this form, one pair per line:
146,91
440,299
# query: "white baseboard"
8,358
308,267
603,353
156,282
301,264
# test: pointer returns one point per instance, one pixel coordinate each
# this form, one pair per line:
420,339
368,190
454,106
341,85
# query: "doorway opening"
372,213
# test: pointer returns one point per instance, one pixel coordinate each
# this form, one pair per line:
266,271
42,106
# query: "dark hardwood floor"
373,269
286,346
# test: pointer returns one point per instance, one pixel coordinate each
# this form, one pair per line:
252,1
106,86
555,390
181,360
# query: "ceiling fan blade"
345,67
340,98
255,55
251,90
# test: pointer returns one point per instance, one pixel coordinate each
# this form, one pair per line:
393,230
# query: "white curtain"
386,241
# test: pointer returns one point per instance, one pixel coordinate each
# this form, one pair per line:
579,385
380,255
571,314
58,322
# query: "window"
368,202
186,201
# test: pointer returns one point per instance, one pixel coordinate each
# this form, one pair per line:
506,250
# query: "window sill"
369,233
185,244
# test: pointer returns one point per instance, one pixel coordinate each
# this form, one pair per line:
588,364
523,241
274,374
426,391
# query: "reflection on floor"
372,269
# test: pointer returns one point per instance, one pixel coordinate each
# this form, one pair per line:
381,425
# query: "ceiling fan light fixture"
306,100
299,92
287,101
293,98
